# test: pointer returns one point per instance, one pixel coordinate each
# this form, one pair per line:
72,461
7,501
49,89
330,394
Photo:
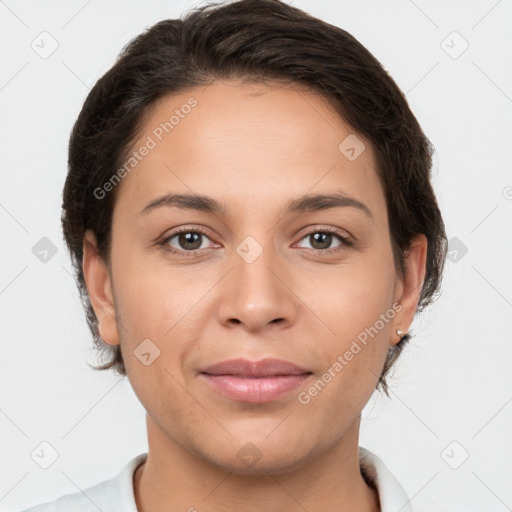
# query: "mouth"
255,381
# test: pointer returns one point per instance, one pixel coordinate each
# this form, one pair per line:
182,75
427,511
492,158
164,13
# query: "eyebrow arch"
312,203
303,204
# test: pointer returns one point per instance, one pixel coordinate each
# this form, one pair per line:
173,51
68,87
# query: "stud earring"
401,333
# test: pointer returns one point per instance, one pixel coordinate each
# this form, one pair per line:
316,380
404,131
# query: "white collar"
392,495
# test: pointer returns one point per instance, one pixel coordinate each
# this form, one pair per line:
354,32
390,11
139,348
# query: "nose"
258,293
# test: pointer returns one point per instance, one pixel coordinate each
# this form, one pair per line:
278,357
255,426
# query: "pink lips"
255,381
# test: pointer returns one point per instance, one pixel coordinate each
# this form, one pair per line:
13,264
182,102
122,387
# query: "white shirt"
117,495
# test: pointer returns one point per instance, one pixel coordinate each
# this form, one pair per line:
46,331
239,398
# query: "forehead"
241,142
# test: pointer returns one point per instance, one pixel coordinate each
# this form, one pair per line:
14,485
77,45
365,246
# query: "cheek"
357,310
352,355
158,304
149,299
354,301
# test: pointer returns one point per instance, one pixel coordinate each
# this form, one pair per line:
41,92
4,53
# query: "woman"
249,212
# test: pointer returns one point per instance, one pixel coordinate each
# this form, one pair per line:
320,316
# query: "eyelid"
322,228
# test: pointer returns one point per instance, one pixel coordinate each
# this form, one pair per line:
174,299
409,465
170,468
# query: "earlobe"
99,288
415,269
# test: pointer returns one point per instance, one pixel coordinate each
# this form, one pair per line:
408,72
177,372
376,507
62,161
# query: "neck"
173,478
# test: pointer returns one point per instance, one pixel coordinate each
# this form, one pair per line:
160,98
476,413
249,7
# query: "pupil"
190,238
325,239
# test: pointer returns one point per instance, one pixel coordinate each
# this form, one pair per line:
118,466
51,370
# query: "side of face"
254,282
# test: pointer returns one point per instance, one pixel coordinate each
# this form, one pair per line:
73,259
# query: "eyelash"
346,241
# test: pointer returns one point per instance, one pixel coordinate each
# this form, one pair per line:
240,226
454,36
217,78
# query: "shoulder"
113,495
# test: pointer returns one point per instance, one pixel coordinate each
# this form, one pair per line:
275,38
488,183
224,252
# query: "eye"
185,240
321,240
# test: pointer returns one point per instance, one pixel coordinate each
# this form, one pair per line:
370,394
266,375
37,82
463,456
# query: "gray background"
451,392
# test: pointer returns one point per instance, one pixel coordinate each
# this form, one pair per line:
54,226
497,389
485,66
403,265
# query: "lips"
255,381
254,369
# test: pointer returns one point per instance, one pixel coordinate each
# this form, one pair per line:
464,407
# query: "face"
265,274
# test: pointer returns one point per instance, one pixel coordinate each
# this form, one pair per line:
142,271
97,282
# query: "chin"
257,457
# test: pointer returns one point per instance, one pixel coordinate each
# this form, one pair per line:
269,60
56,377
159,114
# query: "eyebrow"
307,203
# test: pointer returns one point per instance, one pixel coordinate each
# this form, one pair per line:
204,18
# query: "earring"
401,333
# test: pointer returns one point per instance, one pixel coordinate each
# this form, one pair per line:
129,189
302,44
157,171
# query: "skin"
253,148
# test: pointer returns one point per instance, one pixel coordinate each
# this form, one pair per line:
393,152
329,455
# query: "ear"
408,292
99,287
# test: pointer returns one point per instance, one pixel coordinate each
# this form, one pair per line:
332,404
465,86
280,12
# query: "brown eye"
189,240
185,240
322,240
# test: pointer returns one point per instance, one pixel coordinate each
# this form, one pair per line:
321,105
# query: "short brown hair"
255,40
